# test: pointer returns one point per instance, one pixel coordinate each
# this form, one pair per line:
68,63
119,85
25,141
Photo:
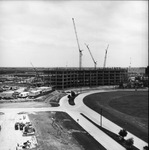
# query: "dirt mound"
54,97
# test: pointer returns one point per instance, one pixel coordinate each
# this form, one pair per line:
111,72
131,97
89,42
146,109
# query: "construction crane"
38,76
80,51
95,62
104,65
130,63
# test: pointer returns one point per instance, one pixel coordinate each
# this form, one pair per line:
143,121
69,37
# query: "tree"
123,133
145,148
129,143
69,96
121,84
71,100
73,94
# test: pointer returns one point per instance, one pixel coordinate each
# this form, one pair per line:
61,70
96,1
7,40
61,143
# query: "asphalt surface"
9,138
107,124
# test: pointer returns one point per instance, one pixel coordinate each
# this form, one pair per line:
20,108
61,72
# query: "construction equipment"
95,62
28,130
26,145
104,65
35,70
38,78
80,51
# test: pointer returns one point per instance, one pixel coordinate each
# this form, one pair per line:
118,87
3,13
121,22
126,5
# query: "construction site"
74,77
65,78
55,114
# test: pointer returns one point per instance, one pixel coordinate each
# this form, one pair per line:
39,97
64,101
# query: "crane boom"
35,70
80,51
95,63
38,76
104,65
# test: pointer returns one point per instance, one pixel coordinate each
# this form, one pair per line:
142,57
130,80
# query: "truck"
23,94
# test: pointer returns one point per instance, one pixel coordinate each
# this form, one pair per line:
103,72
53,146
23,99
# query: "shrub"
129,143
145,148
123,133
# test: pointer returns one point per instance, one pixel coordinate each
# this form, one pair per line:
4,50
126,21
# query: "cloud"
46,28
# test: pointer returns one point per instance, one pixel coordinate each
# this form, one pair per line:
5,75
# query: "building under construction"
62,78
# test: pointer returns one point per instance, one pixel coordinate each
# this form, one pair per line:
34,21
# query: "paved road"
105,122
74,112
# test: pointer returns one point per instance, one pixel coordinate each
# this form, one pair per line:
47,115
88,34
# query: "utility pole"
101,117
104,65
80,51
95,62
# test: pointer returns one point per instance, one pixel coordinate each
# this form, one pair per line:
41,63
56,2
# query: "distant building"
136,71
61,78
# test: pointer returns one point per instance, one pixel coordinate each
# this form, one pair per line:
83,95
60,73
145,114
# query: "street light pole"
101,117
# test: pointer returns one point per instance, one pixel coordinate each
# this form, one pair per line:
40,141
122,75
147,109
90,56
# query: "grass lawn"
127,109
111,134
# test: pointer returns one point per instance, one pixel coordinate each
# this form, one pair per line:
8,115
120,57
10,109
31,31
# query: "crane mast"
95,63
38,76
80,51
104,65
35,70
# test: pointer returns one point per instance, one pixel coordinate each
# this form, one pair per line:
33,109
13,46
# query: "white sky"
42,32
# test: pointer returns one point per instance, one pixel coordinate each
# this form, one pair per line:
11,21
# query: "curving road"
95,117
75,112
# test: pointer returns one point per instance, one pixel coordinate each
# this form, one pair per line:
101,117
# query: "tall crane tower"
37,75
80,51
130,63
95,62
104,65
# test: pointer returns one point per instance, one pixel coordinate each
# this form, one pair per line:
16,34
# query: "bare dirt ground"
62,134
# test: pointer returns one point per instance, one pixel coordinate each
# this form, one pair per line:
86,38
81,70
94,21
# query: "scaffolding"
66,78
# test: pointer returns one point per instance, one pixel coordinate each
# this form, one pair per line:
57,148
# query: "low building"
45,89
23,94
7,94
34,93
136,71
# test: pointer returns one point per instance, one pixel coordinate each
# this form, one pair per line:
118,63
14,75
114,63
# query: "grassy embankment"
127,109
